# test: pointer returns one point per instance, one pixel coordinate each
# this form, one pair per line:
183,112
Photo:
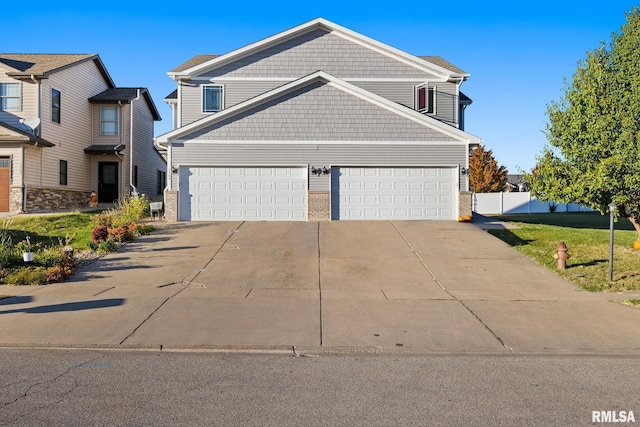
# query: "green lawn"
587,237
51,230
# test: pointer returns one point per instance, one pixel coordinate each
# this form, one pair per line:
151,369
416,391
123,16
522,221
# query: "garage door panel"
393,193
240,193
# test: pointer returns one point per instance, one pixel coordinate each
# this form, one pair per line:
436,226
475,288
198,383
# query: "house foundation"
50,200
465,203
319,206
171,205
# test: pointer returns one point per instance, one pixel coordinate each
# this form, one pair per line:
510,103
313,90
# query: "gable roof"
13,134
319,76
199,64
41,65
196,60
125,95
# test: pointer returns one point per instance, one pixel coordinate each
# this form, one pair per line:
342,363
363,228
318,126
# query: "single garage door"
243,193
393,193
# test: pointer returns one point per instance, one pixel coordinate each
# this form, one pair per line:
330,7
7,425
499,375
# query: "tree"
593,152
485,176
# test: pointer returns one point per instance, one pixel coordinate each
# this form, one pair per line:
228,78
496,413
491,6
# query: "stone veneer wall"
171,205
50,200
319,206
15,199
465,203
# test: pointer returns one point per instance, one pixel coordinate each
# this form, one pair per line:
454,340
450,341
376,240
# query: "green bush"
49,258
107,246
6,243
27,276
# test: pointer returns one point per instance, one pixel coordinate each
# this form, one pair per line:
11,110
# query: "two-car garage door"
280,193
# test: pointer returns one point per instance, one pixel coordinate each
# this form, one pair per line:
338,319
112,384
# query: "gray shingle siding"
319,112
318,50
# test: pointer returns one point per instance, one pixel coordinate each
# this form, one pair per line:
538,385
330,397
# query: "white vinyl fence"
517,203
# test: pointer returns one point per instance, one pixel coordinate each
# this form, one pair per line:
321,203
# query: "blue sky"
518,53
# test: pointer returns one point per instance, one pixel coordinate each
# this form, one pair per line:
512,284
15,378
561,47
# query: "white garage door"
243,193
393,193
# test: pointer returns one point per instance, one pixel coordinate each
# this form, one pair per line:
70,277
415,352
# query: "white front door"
243,193
394,193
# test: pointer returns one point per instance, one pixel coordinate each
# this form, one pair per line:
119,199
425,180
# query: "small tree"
485,176
593,155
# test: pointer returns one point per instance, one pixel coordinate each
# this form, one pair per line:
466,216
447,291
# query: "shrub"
60,272
106,246
100,234
27,276
103,219
131,209
121,234
49,258
6,243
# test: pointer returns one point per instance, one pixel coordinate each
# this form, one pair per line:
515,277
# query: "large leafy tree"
593,151
485,176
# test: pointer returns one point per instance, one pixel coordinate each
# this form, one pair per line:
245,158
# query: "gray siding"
319,155
318,50
401,92
447,102
235,92
319,111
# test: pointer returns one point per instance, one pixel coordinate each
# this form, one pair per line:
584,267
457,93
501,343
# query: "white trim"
337,83
202,88
214,80
314,142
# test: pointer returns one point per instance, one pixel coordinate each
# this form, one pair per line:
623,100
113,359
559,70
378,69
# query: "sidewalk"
408,286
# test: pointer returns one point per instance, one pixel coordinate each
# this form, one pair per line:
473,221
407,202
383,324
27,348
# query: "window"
135,175
55,106
211,98
10,97
162,181
109,121
63,172
426,99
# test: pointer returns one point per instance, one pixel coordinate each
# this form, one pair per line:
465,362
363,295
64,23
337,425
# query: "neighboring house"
317,123
67,130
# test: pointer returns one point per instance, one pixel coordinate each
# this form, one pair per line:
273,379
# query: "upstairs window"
109,121
211,98
55,106
426,99
10,97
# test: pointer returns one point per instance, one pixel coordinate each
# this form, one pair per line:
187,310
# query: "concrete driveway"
417,286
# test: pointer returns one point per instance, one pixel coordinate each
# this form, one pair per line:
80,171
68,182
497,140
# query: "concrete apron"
417,286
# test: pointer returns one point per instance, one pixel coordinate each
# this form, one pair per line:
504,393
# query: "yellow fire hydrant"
562,256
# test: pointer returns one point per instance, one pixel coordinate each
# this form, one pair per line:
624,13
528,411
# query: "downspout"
134,190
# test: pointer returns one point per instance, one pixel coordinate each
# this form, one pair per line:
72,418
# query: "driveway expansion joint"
449,293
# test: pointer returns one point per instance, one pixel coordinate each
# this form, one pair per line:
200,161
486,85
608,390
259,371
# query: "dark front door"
107,182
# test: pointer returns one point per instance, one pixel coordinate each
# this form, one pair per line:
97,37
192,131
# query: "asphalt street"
131,388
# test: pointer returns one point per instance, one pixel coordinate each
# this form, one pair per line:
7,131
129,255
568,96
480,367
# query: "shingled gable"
436,65
11,134
41,65
447,131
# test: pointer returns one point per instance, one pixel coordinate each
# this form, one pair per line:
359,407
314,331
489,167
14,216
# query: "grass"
52,230
587,237
632,302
